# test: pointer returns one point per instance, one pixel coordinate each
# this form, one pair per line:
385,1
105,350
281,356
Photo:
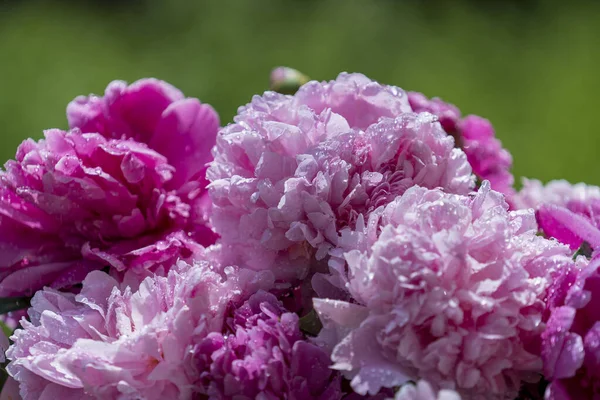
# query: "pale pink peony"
451,291
534,193
423,391
568,212
108,343
293,170
476,136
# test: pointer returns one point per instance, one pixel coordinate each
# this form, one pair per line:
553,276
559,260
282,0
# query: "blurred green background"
531,67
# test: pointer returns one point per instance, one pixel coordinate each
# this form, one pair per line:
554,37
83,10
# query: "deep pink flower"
448,114
475,135
568,212
293,170
130,193
153,112
109,343
76,202
263,354
446,288
571,341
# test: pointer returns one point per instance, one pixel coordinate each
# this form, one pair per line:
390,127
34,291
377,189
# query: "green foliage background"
530,67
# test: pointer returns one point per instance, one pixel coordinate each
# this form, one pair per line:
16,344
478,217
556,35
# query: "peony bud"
287,80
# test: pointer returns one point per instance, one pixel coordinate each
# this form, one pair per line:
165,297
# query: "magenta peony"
155,113
263,355
571,341
448,114
475,135
293,170
349,241
76,202
451,291
130,194
570,213
108,343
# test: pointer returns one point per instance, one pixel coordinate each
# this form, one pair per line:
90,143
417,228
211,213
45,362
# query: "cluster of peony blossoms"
345,240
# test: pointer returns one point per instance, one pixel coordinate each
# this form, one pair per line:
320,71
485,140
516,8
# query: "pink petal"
567,227
185,134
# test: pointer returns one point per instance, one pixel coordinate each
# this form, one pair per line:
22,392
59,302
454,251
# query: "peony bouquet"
337,240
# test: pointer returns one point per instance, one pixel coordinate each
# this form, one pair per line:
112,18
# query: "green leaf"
7,331
584,250
311,324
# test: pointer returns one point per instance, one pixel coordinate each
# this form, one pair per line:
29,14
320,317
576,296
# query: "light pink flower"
451,291
423,391
559,192
293,170
108,343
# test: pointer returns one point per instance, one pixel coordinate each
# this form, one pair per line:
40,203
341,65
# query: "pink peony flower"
423,391
448,114
293,170
108,343
181,129
451,291
570,213
475,135
77,202
263,354
560,192
571,341
157,114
